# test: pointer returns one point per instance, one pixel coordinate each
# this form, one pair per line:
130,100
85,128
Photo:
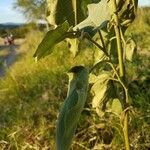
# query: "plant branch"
95,43
99,63
102,40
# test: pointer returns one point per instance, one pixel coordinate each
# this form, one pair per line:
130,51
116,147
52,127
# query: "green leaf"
126,10
92,78
116,106
52,38
70,10
51,12
74,46
99,89
98,56
98,15
130,49
101,13
73,11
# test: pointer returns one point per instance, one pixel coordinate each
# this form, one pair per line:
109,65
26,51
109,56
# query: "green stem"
121,72
125,131
102,40
95,43
119,44
74,4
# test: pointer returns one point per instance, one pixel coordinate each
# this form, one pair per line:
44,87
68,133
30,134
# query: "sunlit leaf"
61,10
52,38
98,15
74,11
74,46
116,106
98,56
130,49
92,78
99,89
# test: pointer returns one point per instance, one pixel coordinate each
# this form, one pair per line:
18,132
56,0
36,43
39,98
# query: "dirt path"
8,56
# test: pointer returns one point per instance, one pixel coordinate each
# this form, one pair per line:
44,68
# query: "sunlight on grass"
4,52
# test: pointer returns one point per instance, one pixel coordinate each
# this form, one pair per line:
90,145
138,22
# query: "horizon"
15,16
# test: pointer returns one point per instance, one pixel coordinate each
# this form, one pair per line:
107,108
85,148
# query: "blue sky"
8,14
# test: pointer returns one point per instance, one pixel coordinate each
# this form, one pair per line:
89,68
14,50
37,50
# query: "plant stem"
125,131
74,4
121,72
95,43
119,45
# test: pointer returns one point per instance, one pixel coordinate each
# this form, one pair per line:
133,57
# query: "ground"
8,54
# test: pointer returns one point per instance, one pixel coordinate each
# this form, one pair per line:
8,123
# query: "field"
31,94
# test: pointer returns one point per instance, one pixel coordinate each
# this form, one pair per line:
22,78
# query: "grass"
31,94
4,52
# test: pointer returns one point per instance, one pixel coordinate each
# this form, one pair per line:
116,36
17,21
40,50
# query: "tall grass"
140,28
30,95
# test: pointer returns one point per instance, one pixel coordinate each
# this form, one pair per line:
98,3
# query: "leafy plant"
105,27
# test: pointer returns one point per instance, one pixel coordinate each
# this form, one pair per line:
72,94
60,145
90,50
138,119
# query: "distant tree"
32,9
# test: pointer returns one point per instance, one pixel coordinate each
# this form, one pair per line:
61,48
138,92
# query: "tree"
32,9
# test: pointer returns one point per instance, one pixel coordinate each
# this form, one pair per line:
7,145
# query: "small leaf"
130,49
98,56
116,106
92,78
52,38
99,89
74,46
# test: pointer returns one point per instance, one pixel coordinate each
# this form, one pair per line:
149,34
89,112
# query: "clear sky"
8,14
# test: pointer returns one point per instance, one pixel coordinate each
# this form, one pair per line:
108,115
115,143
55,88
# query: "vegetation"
19,31
32,9
31,94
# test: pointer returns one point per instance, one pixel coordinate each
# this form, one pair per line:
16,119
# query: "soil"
9,59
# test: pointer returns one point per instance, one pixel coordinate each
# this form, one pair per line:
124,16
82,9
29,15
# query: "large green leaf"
51,39
98,15
102,12
71,10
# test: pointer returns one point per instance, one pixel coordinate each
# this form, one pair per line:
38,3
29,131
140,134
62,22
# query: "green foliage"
140,28
31,93
73,11
61,10
33,9
51,38
130,49
116,106
18,32
119,16
94,19
101,84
